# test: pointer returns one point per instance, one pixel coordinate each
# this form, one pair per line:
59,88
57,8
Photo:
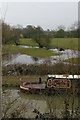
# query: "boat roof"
65,76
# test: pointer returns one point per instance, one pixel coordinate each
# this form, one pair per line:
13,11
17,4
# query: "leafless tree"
14,107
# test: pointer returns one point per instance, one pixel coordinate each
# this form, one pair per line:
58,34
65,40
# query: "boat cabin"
60,81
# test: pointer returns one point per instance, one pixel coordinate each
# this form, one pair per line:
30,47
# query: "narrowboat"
53,83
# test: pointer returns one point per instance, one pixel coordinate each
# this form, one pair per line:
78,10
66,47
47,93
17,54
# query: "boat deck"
35,86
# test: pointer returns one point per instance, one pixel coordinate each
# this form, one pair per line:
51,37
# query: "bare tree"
14,107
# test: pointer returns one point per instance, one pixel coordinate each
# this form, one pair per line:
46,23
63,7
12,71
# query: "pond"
26,103
26,59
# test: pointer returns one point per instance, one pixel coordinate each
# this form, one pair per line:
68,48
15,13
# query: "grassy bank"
17,80
41,52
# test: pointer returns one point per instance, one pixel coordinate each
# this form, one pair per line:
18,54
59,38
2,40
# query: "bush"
42,69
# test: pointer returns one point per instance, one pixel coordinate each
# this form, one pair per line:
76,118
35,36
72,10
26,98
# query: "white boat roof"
65,76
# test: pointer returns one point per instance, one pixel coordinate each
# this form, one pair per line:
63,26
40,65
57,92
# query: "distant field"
41,52
65,43
27,42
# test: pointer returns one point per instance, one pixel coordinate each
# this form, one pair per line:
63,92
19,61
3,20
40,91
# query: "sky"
48,15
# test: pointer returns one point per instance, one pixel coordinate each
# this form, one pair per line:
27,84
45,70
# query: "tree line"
12,34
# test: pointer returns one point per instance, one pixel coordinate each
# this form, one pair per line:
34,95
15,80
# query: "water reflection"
10,95
35,59
66,54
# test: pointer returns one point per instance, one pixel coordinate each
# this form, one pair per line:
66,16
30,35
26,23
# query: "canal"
19,104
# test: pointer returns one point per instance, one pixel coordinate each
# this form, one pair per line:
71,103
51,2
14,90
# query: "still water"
26,103
26,59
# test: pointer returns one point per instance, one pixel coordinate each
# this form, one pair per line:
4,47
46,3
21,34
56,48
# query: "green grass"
29,51
73,60
27,42
17,80
66,43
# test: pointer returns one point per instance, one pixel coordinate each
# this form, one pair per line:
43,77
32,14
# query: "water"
66,54
26,59
28,46
26,103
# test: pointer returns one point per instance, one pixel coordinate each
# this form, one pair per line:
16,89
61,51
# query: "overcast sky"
49,15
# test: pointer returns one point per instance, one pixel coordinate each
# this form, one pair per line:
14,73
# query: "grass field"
41,52
66,43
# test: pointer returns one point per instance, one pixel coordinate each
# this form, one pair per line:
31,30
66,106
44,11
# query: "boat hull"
41,89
